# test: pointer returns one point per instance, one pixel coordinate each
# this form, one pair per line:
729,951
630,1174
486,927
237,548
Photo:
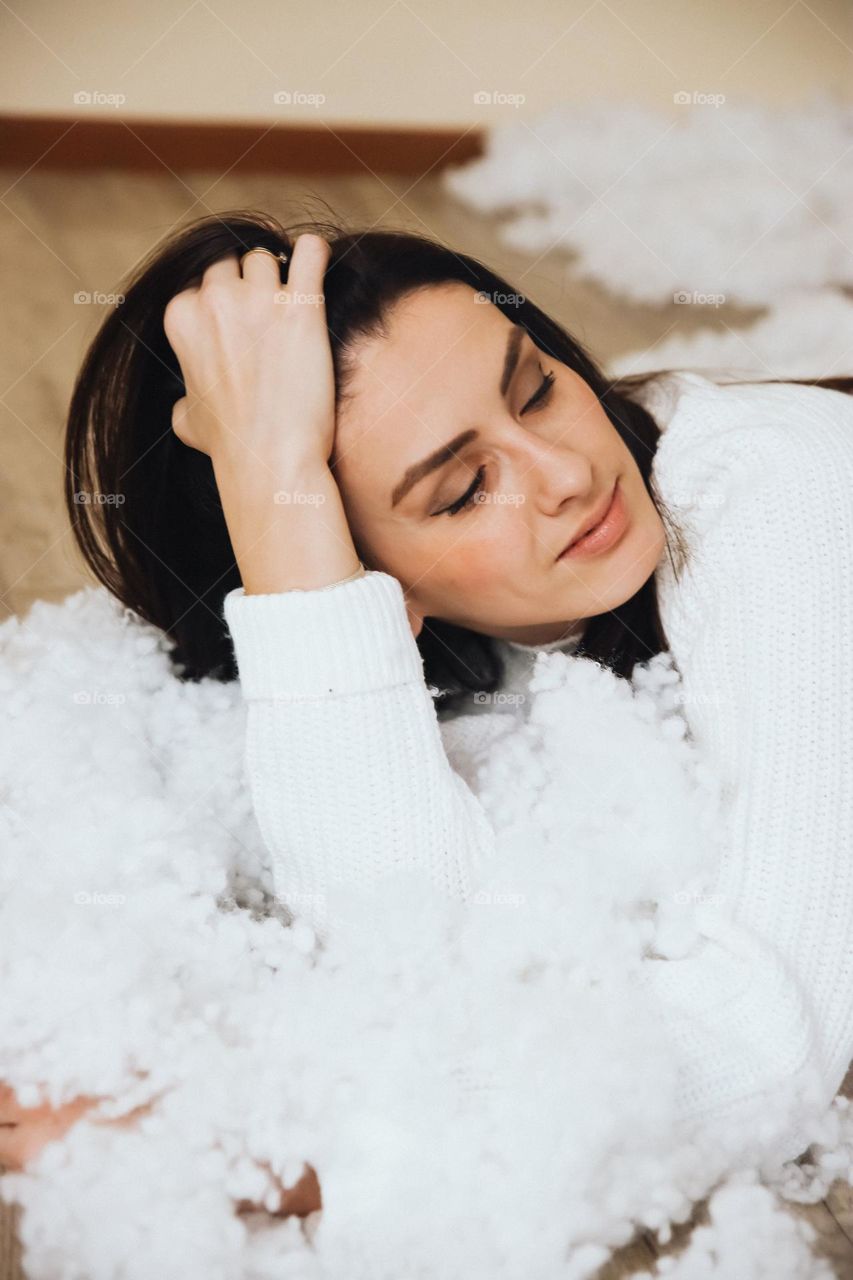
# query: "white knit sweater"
343,739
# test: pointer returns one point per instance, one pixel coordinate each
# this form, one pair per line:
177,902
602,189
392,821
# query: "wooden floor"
831,1218
64,233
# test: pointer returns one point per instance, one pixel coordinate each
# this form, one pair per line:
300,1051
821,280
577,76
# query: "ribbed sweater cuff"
348,639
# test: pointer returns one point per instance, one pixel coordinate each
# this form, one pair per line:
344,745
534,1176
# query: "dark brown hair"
156,537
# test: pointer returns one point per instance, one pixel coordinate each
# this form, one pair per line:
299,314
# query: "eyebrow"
426,466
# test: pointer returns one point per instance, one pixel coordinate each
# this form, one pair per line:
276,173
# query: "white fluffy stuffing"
479,1087
744,199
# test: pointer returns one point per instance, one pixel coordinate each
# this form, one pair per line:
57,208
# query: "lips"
592,520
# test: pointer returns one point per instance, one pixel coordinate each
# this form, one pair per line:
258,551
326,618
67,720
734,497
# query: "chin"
641,549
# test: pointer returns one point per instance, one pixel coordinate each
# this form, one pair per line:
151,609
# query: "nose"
551,476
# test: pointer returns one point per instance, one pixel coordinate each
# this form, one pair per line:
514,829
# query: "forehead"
421,382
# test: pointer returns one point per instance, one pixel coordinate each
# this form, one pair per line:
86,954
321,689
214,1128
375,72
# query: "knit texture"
343,740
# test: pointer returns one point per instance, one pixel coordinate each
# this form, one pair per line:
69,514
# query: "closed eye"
542,391
540,396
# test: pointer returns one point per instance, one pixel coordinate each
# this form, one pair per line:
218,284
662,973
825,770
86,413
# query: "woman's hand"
255,359
24,1131
261,403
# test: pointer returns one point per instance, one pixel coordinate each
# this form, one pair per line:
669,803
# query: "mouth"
602,529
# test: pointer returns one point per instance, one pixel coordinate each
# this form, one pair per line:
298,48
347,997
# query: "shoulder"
759,479
721,441
694,411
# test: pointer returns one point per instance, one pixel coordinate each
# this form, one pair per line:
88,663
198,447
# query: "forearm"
348,770
286,522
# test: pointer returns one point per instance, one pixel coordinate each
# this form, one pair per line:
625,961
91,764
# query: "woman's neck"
570,636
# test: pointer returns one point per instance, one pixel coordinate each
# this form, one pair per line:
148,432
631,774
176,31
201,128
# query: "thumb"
181,420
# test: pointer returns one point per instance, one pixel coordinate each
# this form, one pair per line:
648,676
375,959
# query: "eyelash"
540,396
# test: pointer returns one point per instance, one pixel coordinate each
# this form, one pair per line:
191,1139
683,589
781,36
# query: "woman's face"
453,364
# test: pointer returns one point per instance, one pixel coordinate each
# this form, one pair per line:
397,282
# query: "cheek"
486,557
648,530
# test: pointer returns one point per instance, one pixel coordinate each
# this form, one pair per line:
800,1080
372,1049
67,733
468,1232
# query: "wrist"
287,524
269,473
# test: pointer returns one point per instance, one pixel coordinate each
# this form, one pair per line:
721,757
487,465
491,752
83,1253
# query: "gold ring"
279,257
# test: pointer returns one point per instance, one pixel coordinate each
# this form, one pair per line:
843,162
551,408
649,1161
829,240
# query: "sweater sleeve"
349,776
760,634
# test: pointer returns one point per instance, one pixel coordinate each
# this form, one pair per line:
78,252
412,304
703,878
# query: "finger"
11,1150
227,268
9,1106
177,315
261,269
181,424
308,264
37,1126
128,1119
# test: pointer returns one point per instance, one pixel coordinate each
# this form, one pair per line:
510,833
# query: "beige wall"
410,63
